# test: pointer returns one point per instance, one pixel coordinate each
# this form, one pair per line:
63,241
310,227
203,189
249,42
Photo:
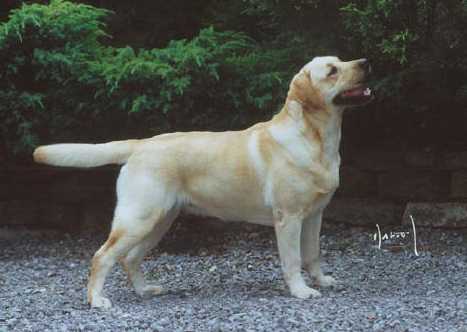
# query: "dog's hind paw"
326,281
150,290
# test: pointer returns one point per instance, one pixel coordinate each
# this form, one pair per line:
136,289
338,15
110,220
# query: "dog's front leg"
288,228
310,250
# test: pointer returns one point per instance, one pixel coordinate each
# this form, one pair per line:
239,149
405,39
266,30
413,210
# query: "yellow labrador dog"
280,173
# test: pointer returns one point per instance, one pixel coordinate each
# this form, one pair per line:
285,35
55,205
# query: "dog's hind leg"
134,258
118,244
143,203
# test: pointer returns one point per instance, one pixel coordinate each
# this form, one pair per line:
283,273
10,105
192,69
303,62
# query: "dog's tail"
85,155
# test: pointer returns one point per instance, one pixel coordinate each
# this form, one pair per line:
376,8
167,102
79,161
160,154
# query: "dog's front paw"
304,292
326,281
101,302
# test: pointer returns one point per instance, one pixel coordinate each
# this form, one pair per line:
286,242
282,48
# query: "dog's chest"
330,158
330,161
333,161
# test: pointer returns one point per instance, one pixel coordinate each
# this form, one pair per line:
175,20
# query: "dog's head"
328,81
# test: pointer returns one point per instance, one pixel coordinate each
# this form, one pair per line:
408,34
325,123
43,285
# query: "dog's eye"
333,71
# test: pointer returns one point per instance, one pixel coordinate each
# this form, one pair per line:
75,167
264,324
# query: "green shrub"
60,82
43,51
419,47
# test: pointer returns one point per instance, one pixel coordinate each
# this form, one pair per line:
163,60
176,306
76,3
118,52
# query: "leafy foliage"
42,50
59,80
63,78
420,46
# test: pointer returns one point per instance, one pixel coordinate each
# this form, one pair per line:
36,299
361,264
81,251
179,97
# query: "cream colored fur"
280,173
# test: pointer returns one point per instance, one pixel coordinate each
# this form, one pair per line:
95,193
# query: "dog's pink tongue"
354,92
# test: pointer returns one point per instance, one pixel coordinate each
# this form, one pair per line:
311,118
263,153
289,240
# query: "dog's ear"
303,91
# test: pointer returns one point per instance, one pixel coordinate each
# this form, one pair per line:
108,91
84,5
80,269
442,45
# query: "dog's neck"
327,123
311,134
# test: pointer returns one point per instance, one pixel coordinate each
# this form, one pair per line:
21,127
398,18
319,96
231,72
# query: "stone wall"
49,197
385,187
377,186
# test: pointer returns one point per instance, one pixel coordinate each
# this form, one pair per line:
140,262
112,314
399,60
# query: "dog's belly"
229,190
227,214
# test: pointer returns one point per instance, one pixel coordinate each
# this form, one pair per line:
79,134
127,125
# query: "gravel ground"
229,279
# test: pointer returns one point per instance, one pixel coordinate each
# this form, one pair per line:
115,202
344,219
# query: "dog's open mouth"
355,96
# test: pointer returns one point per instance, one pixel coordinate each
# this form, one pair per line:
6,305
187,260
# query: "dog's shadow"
191,234
243,289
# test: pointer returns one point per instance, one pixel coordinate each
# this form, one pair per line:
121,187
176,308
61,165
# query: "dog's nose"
365,65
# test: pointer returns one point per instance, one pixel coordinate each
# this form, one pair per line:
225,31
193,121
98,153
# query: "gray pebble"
232,281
